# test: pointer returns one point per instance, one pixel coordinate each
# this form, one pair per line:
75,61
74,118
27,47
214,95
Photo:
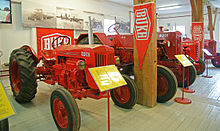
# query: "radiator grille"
104,59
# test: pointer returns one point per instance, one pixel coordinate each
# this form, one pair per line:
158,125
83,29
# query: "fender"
31,50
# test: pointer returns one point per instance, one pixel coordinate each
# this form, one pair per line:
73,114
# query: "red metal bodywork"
192,49
60,65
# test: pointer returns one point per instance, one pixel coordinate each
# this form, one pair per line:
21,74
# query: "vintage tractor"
192,50
124,48
169,44
68,66
210,45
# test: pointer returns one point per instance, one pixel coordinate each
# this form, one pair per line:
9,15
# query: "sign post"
208,54
185,63
107,78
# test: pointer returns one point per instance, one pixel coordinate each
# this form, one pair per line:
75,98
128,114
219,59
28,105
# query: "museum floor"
202,114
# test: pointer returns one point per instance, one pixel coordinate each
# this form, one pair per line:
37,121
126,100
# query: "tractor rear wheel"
192,77
216,62
125,96
202,67
4,125
22,75
64,110
166,84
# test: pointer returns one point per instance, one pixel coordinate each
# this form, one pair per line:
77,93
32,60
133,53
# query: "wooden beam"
146,78
210,28
197,16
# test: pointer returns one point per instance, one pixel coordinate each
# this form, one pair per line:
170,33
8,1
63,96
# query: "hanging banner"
45,37
197,31
143,28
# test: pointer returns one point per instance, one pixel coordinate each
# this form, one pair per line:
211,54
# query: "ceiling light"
169,7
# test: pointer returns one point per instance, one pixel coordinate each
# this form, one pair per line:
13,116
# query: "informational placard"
107,77
183,60
206,52
6,109
143,28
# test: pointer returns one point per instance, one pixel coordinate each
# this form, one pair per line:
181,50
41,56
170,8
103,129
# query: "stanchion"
187,90
108,111
207,76
183,100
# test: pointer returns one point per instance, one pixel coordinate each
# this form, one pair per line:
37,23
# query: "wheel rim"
162,85
60,113
122,94
15,77
217,61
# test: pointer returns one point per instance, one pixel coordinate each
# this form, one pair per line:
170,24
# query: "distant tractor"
192,50
210,45
124,48
68,66
169,44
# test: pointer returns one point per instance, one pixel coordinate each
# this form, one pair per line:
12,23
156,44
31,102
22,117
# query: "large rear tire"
202,67
192,77
216,62
4,125
166,84
125,96
22,75
64,110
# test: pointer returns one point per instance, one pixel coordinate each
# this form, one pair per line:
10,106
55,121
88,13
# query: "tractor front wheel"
65,110
216,62
4,125
22,75
190,73
202,67
166,84
125,96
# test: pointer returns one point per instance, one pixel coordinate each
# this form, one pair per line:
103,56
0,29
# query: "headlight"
81,64
117,60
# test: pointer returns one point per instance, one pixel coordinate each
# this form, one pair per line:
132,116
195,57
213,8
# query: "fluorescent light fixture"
169,7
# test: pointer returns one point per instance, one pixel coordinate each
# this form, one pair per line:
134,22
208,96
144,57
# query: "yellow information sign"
183,60
6,109
107,77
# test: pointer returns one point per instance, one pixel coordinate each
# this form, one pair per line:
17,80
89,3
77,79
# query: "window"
181,29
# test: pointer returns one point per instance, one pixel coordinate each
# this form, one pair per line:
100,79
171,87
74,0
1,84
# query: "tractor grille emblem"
46,41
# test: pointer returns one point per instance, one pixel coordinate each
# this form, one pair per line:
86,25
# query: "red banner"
45,37
197,31
143,28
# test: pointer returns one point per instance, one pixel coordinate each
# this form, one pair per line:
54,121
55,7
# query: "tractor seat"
48,54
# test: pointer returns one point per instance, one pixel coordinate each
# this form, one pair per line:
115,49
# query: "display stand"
107,78
187,89
185,63
208,54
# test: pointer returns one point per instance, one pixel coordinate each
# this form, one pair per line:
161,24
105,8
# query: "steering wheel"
114,27
62,42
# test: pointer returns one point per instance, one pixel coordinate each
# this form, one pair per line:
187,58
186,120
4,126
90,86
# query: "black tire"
202,67
192,78
166,84
214,62
70,106
4,125
132,89
24,62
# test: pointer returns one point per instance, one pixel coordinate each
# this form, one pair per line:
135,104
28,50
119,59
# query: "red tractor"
124,48
169,44
192,51
210,45
68,66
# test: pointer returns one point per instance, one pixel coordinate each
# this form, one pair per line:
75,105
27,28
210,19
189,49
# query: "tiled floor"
202,114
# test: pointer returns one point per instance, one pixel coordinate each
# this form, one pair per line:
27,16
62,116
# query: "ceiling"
184,5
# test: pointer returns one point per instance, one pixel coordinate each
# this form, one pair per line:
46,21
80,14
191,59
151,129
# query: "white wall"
186,19
14,35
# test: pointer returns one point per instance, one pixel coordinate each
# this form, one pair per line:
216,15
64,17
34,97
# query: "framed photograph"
5,11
